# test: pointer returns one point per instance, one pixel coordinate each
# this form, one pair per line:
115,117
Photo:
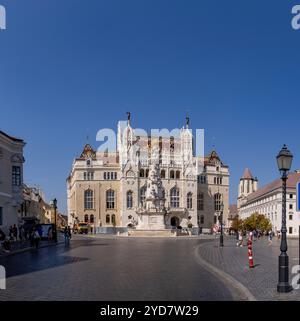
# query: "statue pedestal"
151,220
152,233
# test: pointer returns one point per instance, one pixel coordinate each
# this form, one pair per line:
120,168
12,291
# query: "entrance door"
175,221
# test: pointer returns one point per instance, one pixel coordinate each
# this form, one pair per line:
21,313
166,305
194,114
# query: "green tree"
257,222
237,224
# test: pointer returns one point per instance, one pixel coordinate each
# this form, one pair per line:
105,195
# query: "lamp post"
237,227
284,162
54,202
221,222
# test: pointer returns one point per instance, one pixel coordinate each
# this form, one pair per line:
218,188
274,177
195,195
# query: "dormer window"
88,162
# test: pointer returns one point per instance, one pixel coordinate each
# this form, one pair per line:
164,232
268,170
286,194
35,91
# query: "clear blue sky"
68,67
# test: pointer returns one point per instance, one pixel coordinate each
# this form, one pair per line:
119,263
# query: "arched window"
163,174
110,199
215,180
200,201
143,195
177,174
218,201
88,199
129,200
113,219
107,219
86,218
142,172
189,200
202,219
172,175
174,197
92,219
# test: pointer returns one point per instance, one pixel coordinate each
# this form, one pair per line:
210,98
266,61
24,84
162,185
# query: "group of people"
257,235
67,234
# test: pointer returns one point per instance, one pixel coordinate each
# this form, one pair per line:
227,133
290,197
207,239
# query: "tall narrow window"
88,199
189,201
172,144
202,219
110,199
174,197
172,175
200,201
163,174
129,200
113,219
142,173
16,176
107,219
86,218
142,195
218,201
177,174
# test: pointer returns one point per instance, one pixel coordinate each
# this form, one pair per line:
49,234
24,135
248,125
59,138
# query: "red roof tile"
292,181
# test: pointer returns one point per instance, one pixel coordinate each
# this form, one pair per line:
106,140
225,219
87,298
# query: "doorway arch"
175,221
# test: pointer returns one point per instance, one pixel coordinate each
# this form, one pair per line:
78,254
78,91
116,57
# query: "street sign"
298,197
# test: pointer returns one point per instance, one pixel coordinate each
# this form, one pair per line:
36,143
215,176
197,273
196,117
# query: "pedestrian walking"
2,238
15,232
36,237
69,232
270,238
21,233
50,234
240,242
67,236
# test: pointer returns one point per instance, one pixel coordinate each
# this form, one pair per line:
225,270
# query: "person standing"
66,235
36,237
270,238
69,232
15,232
21,233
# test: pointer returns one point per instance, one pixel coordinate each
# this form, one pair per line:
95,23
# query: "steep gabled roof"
213,158
88,152
247,174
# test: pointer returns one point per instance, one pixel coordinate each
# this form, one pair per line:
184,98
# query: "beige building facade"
11,179
108,189
267,201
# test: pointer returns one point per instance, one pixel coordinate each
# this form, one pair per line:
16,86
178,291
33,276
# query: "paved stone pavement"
262,280
112,269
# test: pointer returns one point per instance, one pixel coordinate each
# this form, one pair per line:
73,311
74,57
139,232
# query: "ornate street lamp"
54,204
221,222
284,162
237,227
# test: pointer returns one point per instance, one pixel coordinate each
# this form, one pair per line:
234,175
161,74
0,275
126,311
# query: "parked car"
81,228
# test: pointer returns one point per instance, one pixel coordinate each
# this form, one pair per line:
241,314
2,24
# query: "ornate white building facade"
268,201
110,190
11,180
